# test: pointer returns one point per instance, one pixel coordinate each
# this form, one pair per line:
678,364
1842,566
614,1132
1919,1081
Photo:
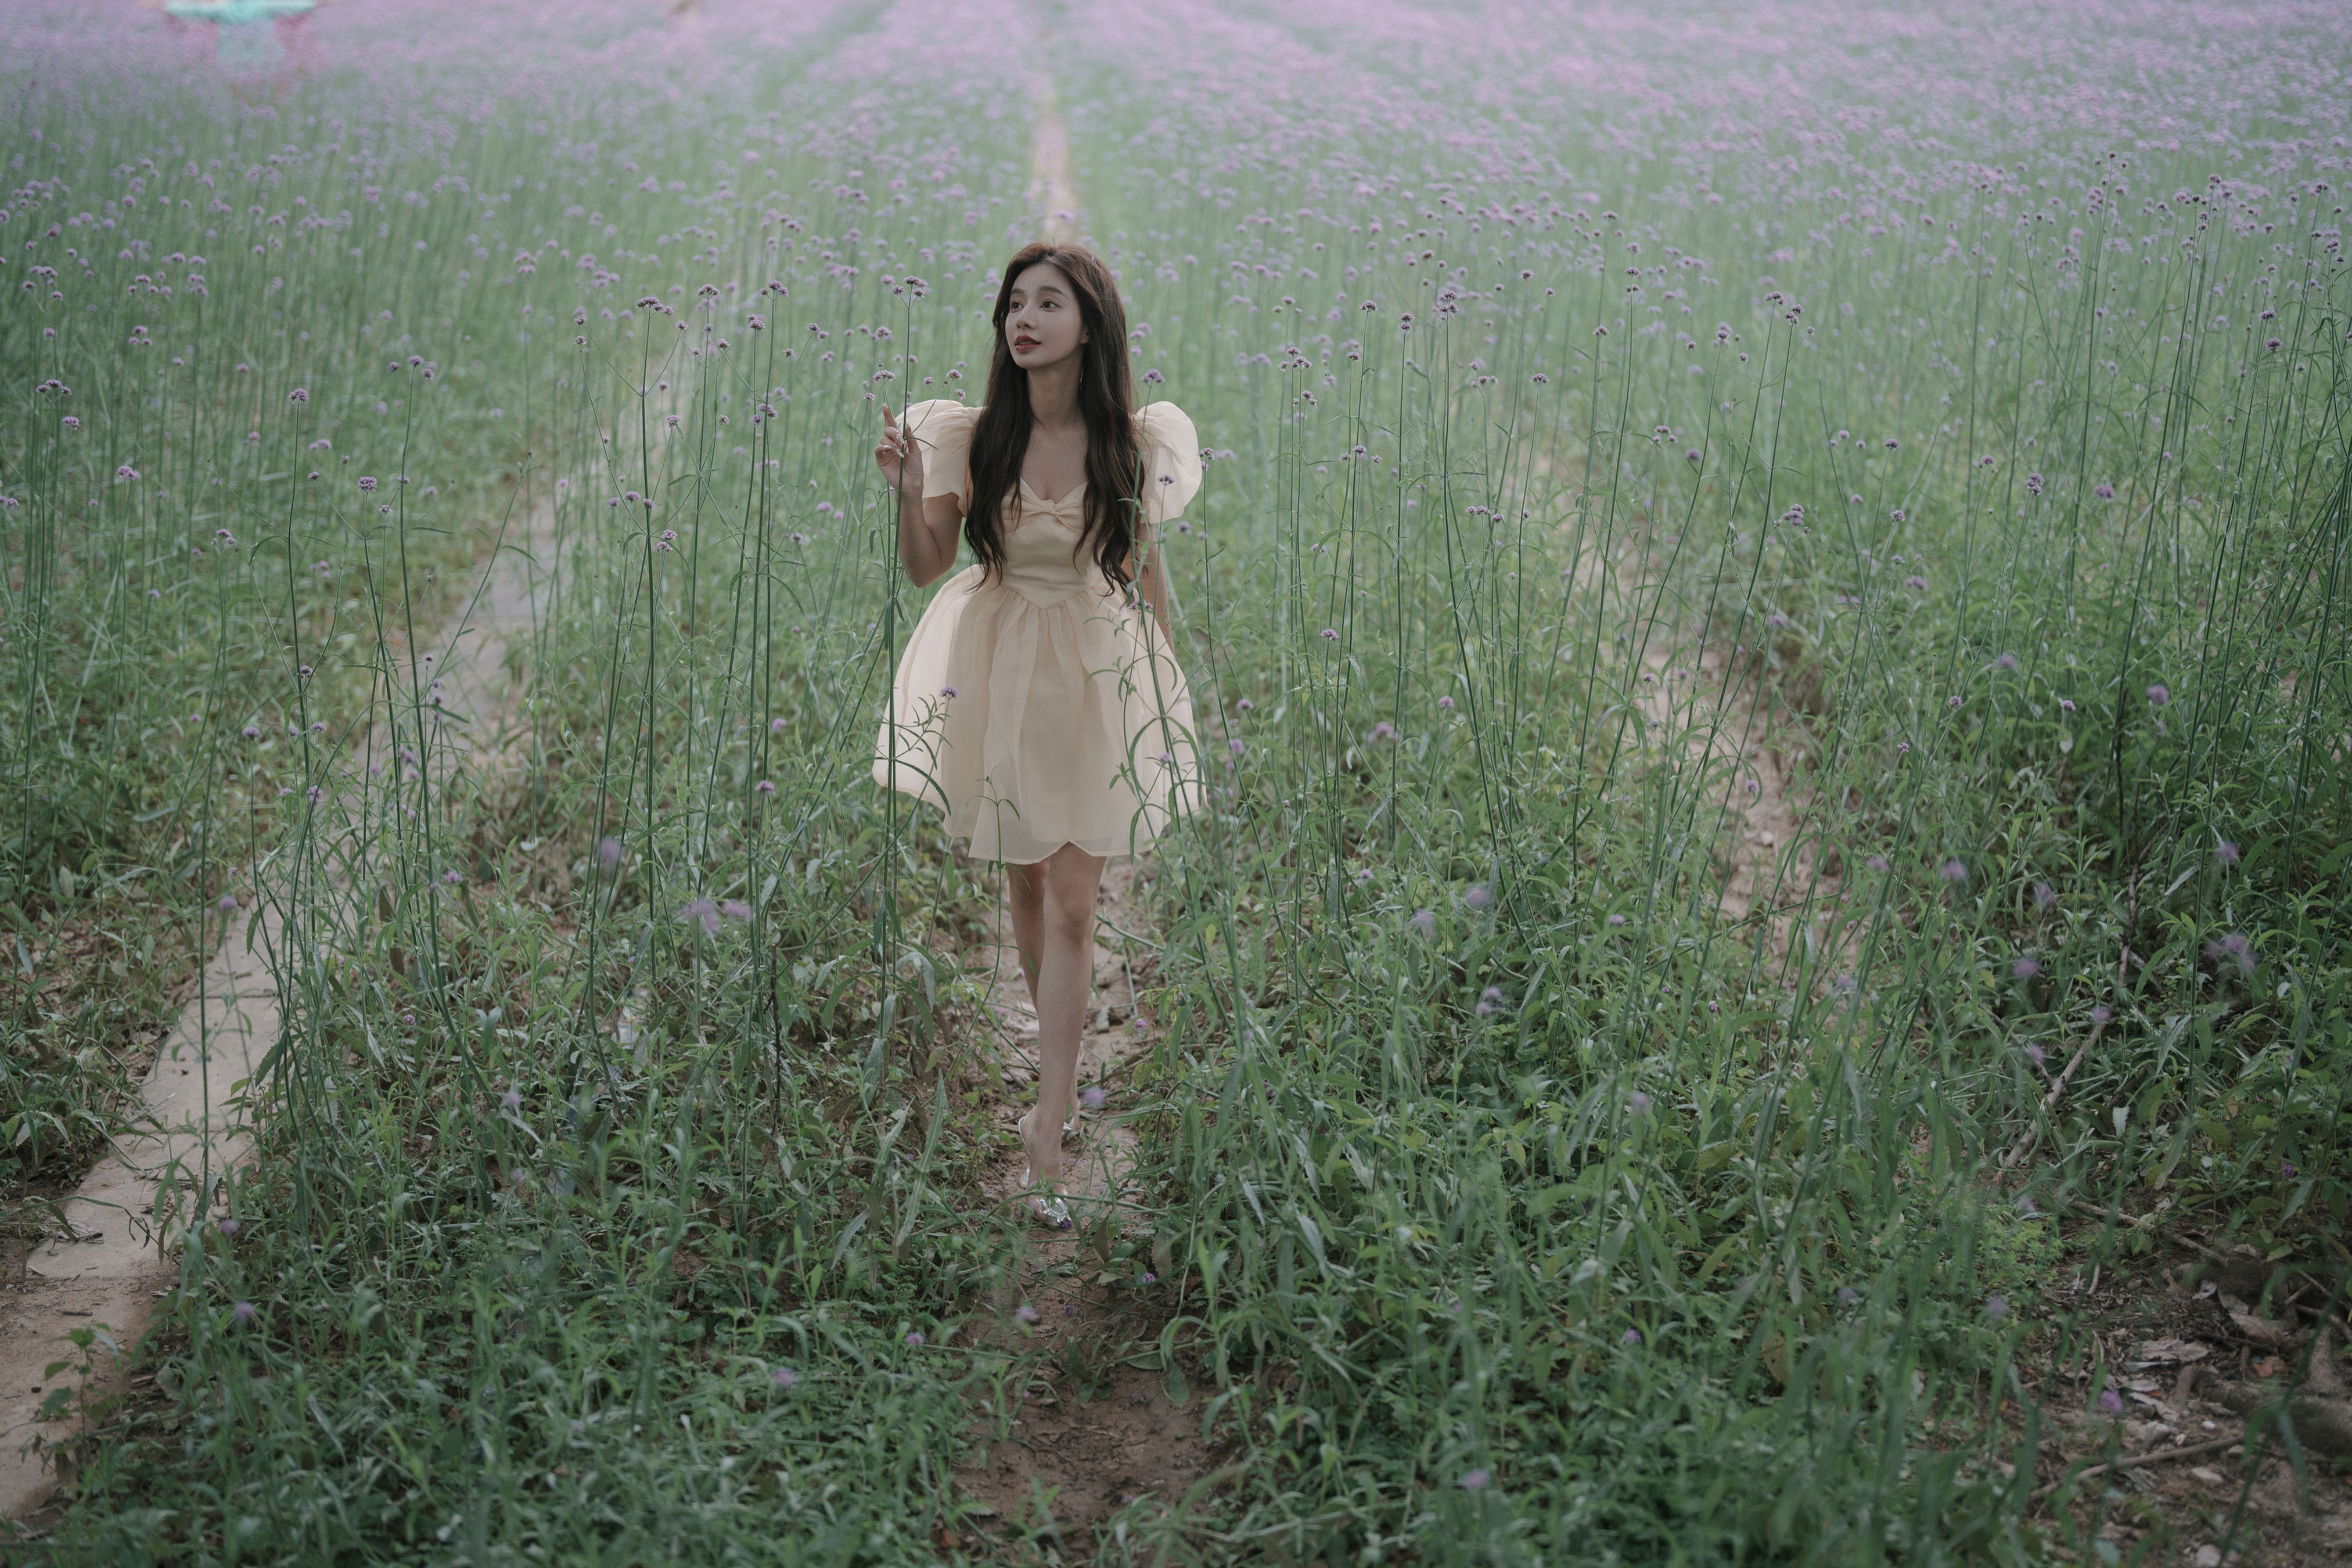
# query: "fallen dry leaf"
2256,1330
2172,1351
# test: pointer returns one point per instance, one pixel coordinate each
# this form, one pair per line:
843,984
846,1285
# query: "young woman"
1039,703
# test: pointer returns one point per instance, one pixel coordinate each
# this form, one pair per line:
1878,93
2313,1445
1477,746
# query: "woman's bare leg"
1054,927
1024,890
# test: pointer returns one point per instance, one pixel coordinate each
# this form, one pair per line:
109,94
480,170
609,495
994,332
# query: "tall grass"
1505,1195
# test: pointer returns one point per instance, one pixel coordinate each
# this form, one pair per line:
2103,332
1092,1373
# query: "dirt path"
115,1260
1096,1428
1707,707
1053,183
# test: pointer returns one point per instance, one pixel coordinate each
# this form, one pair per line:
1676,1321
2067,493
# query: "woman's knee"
1069,917
1070,903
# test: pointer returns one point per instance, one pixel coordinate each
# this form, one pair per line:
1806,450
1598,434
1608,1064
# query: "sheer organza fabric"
1038,709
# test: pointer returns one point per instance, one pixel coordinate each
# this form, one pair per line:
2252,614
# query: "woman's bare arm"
1152,587
927,527
928,532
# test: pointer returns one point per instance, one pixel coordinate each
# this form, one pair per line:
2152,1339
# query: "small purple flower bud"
2226,853
2102,1013
2158,695
2110,1402
1025,1313
915,1338
227,1227
1638,1103
227,903
2026,968
1092,1097
608,852
1996,1308
1475,1480
1953,871
245,1312
1630,1337
512,1099
785,1377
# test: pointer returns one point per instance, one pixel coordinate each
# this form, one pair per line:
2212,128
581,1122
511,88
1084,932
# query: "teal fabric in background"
247,41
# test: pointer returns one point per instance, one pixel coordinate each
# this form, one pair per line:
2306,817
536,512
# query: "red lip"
1024,342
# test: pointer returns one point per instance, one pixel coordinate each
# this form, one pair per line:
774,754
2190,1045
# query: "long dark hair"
1106,398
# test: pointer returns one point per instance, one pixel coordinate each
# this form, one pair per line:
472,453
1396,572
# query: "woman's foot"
1046,1205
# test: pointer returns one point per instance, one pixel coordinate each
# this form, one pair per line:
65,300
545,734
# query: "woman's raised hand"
899,458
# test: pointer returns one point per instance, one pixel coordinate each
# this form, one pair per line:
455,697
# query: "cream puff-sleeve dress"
1038,709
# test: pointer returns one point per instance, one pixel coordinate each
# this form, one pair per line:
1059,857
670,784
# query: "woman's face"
1042,324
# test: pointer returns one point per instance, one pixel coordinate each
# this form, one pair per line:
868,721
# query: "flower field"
1771,616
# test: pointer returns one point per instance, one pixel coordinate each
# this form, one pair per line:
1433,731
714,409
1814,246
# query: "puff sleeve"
943,428
1171,457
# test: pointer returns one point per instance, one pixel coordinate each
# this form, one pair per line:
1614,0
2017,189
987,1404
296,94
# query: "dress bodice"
1045,562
